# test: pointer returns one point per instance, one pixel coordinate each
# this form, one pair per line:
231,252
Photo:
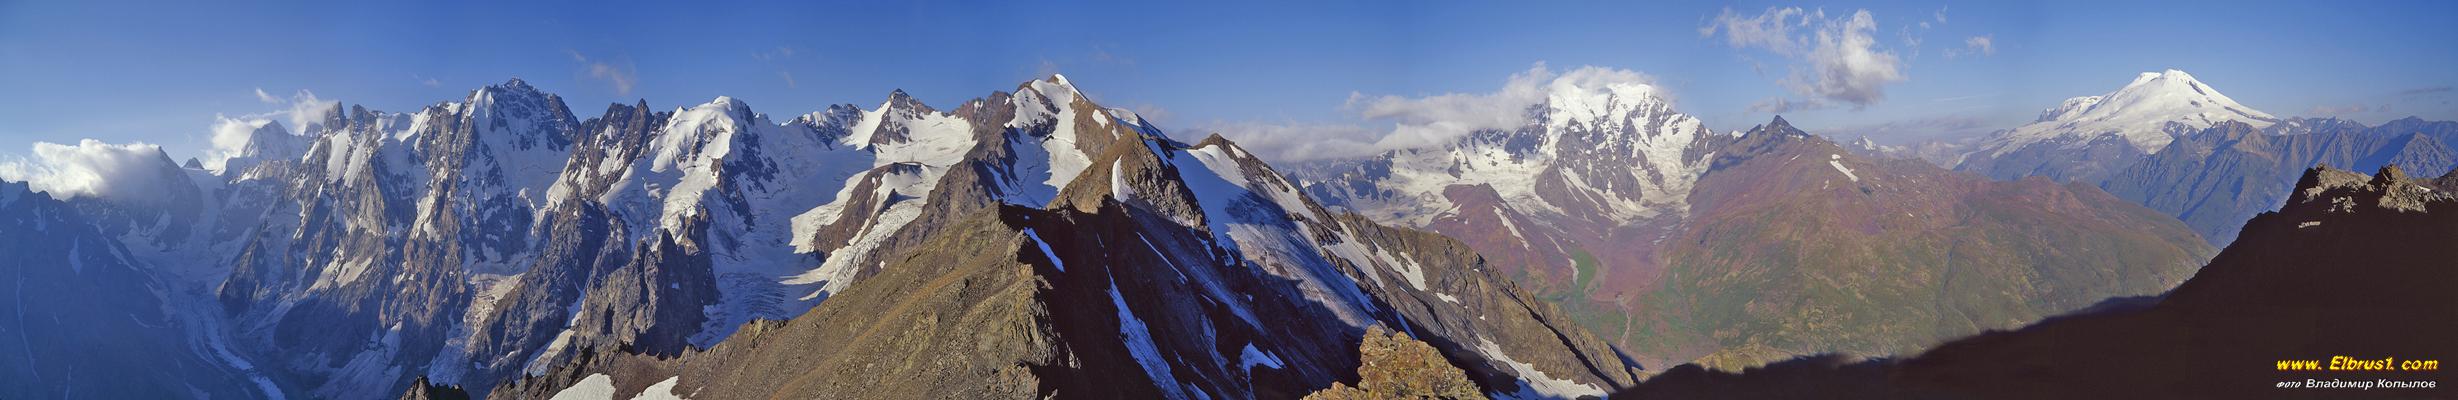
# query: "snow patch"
663,390
593,387
1534,383
1139,343
1839,167
1251,357
1045,250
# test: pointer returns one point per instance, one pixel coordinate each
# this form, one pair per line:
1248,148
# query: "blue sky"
160,72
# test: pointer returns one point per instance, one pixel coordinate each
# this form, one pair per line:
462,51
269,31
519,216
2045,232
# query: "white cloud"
92,168
1780,105
1419,122
301,110
789,78
230,137
1436,119
623,77
779,52
1982,45
1293,141
1839,58
307,110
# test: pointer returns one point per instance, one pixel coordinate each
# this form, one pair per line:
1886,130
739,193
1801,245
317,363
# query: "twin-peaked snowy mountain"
2086,139
476,241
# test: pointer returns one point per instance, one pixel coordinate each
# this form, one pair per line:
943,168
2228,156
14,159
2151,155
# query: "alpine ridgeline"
2350,271
1679,243
1032,242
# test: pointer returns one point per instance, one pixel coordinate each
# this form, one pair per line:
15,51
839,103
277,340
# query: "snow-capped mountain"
1553,165
2085,138
1551,200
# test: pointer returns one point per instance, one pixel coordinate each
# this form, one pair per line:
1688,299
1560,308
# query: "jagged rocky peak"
2389,189
533,119
1779,126
898,100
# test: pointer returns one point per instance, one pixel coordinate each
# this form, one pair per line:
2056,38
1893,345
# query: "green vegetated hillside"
1795,247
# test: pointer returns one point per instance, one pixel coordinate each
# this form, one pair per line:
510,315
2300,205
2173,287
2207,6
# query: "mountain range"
477,241
1033,243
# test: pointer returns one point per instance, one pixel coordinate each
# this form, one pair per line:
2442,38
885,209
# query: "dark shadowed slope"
2355,266
87,319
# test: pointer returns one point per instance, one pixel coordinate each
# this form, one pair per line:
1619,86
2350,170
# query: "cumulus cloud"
1836,59
267,98
623,77
1436,119
1427,121
92,168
